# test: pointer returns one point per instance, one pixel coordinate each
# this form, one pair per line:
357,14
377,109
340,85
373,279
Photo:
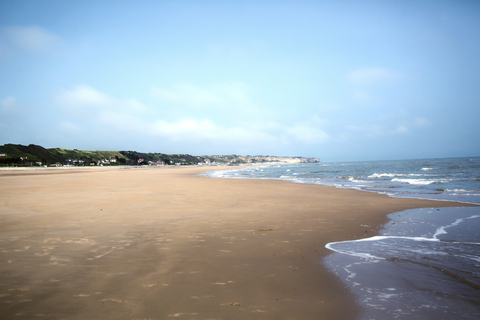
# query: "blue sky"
338,80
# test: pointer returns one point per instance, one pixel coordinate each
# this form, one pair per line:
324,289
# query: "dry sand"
161,243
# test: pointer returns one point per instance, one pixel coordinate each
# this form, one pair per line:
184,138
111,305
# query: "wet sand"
161,243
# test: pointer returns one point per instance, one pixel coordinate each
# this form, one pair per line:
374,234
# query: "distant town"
17,155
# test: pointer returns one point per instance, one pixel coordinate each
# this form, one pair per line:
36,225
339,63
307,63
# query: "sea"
424,263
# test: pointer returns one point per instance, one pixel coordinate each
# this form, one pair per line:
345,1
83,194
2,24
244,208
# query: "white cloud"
366,83
101,115
11,110
134,105
308,132
67,127
186,94
364,97
200,129
227,103
422,122
206,131
32,38
86,102
226,94
365,130
411,125
8,101
370,76
402,129
96,114
8,114
82,96
14,118
7,105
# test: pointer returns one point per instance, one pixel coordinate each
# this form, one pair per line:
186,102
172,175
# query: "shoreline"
172,243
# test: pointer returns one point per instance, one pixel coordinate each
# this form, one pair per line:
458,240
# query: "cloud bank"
87,109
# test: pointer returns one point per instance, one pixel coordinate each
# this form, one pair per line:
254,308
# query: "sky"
336,80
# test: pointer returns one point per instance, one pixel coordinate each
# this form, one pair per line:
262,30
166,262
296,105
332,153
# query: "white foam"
381,175
438,232
389,175
441,230
374,238
473,258
463,192
387,295
421,181
352,179
458,190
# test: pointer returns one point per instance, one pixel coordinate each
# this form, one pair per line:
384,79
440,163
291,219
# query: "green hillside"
89,156
17,154
33,155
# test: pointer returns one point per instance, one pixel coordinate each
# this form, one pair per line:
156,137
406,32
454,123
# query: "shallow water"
454,179
424,265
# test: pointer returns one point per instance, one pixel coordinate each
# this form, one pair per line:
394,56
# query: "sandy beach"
161,243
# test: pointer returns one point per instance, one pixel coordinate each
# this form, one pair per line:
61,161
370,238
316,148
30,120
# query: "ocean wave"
390,175
397,179
441,230
381,175
420,181
353,179
345,247
460,190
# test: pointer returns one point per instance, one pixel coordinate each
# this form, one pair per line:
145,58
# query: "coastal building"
156,163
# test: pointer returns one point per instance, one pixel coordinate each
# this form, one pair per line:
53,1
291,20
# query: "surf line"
438,232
